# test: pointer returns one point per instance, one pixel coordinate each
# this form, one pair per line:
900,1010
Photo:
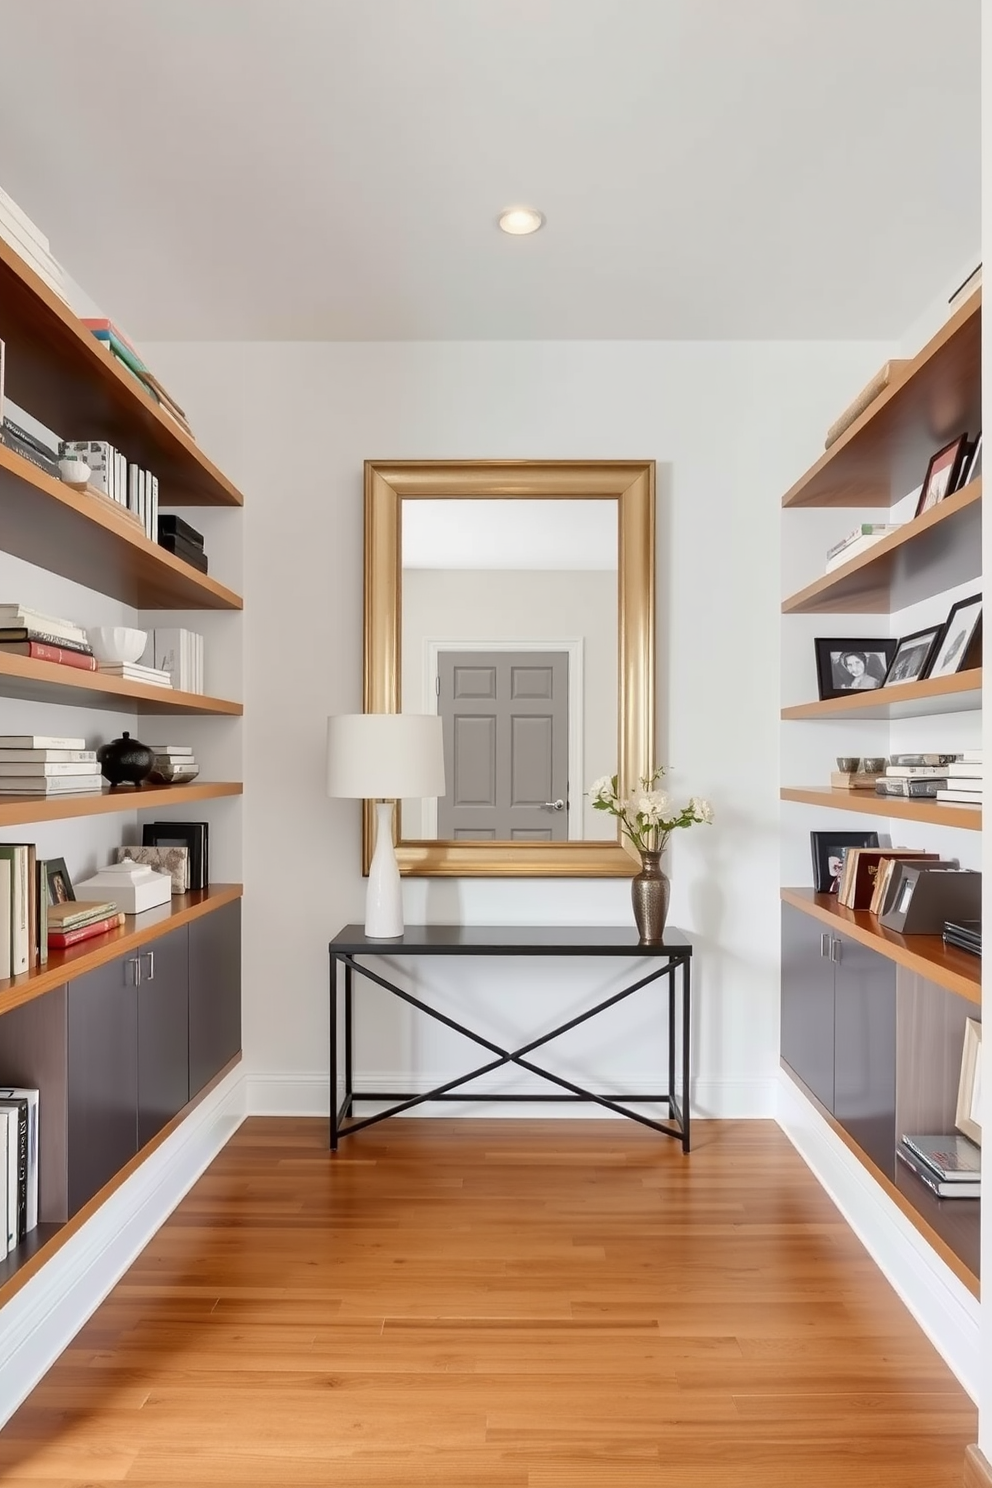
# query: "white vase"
383,898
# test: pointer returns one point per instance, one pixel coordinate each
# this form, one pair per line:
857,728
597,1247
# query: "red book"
58,940
42,651
101,323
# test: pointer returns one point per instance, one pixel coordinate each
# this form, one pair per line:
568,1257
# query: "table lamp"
384,757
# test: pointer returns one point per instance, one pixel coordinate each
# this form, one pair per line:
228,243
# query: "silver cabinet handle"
558,805
135,964
835,951
151,964
825,943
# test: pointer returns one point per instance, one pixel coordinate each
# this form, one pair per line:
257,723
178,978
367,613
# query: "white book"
970,757
39,741
966,771
32,1097
4,1232
5,919
16,856
916,772
47,756
860,545
10,1118
965,783
199,662
46,771
20,218
132,669
168,653
28,620
969,798
172,749
48,785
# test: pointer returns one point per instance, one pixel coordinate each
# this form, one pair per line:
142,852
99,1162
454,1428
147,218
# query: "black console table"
513,940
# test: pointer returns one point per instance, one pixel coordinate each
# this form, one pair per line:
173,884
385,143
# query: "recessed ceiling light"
521,220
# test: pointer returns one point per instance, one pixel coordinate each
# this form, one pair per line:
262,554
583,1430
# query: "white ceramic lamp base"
383,898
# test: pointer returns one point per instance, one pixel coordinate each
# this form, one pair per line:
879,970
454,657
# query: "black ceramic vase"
649,891
125,761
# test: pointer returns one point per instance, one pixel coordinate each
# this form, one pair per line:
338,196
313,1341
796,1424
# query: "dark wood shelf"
932,553
933,813
48,682
885,452
960,693
926,955
59,372
16,811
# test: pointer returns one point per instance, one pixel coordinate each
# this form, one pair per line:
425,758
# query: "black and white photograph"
960,638
60,890
828,856
942,474
844,666
913,655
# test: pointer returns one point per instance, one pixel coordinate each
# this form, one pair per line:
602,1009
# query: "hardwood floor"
503,1304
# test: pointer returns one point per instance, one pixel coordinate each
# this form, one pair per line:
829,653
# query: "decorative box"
132,886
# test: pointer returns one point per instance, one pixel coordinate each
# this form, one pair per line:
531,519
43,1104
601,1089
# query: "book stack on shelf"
123,351
965,779
182,540
28,632
867,871
133,489
950,1165
17,229
47,765
133,671
174,764
19,1113
916,775
179,653
965,934
14,436
73,921
858,541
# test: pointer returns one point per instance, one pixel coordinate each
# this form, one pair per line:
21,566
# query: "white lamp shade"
385,756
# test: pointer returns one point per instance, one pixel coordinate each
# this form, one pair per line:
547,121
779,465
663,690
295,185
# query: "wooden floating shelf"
18,811
934,813
960,693
48,682
139,930
927,955
886,450
83,540
66,378
873,582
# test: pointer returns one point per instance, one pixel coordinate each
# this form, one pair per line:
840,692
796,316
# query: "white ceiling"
510,534
332,169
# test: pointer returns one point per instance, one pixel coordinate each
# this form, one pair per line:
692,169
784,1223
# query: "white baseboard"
944,1308
49,1310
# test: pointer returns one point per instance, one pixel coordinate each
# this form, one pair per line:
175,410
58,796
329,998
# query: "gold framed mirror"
456,550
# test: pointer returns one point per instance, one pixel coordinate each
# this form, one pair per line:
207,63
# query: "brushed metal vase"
649,891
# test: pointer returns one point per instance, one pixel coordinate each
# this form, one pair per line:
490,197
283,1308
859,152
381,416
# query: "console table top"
509,940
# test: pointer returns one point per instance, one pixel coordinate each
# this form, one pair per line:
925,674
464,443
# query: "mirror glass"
509,627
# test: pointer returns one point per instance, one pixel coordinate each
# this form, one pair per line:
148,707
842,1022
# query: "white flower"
701,810
602,789
652,806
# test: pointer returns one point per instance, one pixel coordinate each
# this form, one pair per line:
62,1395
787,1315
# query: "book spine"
46,638
60,939
58,655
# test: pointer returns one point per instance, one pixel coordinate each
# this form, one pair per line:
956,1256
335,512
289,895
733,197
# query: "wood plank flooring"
501,1304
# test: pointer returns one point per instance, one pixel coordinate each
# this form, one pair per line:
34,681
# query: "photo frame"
60,890
192,835
971,467
961,640
827,849
943,474
968,1116
913,656
844,666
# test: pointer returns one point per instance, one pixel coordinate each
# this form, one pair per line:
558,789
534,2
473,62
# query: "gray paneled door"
505,745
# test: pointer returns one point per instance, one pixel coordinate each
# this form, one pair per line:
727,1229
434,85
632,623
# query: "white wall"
730,426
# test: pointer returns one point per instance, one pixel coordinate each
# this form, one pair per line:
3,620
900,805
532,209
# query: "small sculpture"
125,761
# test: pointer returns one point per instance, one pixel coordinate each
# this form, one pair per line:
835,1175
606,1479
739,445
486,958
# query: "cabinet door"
865,1050
102,1077
808,1003
163,1032
214,993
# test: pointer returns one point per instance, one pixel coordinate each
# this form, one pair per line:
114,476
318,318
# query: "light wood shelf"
16,811
933,813
927,955
45,522
885,451
60,372
875,582
959,693
48,682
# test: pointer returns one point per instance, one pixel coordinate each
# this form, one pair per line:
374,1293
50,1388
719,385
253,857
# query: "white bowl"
117,643
75,473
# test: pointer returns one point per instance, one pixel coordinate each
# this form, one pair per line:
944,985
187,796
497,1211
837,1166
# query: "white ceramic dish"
117,643
75,473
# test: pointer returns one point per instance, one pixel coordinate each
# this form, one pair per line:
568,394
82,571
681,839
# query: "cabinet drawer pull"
135,964
151,964
825,943
835,951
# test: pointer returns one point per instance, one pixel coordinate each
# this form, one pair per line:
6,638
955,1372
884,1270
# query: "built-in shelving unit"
46,682
959,693
936,813
16,811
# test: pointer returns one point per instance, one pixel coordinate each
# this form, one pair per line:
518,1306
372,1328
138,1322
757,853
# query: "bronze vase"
650,891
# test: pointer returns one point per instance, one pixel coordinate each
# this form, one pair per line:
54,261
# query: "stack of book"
111,474
949,1165
19,1109
965,779
133,671
44,765
28,632
23,909
29,446
174,764
74,921
920,775
114,339
179,538
178,652
866,872
17,229
858,541
965,934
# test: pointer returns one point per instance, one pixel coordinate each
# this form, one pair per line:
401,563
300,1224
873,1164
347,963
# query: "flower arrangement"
649,815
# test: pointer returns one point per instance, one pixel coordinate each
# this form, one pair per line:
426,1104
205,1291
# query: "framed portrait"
913,654
968,1116
971,468
943,474
960,643
60,890
191,835
844,666
828,856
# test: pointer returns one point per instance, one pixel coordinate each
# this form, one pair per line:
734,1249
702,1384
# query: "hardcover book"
969,1189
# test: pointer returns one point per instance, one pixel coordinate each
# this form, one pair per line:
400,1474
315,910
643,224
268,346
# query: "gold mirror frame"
388,483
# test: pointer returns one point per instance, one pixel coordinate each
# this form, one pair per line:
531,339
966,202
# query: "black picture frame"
943,474
60,890
194,835
827,852
960,642
913,656
971,466
876,656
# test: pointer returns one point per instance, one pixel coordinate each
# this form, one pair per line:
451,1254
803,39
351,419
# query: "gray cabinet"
808,1003
214,993
102,1078
163,1032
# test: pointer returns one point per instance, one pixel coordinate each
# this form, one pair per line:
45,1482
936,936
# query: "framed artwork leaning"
60,890
827,848
913,656
943,473
960,643
844,665
968,1115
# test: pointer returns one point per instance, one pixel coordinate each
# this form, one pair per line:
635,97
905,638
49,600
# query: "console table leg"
333,1042
686,1026
349,1087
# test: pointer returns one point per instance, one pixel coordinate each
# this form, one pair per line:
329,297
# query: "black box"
170,526
190,554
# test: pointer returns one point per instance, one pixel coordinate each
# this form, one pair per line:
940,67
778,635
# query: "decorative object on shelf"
871,390
194,836
942,474
125,761
968,1116
174,770
133,887
857,542
60,890
117,645
844,666
849,764
179,653
854,779
827,849
972,467
912,656
874,764
385,757
965,934
75,473
924,895
182,540
171,860
648,818
960,643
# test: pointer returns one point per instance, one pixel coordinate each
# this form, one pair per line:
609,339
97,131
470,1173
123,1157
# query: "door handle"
558,805
135,964
835,951
825,944
151,964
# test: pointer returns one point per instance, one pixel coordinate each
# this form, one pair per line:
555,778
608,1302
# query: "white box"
133,887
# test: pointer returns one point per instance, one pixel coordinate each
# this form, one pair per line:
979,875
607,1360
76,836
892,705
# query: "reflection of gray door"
505,745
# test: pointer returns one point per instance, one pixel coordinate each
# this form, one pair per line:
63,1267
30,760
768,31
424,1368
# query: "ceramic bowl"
848,763
874,763
75,473
117,643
